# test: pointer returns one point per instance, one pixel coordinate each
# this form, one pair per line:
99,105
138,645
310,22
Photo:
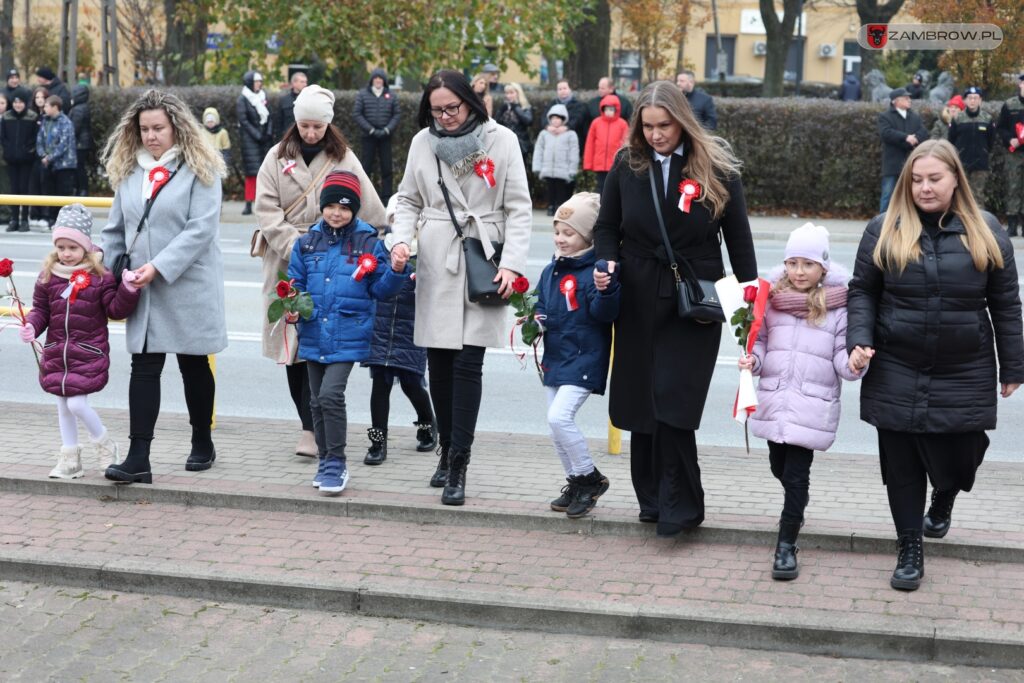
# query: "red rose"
283,288
520,285
6,267
749,293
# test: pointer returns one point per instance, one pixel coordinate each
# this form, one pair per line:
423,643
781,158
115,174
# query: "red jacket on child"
606,137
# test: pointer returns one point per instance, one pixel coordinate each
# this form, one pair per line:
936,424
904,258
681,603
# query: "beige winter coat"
275,192
504,213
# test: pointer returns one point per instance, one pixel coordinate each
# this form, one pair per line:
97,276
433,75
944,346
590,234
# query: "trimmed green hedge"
811,156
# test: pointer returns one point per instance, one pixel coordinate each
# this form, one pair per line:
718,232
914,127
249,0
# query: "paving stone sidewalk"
518,473
64,633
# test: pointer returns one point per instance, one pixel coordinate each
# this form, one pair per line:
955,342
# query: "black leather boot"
426,436
910,561
455,488
378,451
940,513
247,211
441,473
135,468
589,488
561,504
203,453
785,566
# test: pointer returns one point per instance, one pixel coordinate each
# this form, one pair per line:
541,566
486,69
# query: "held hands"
505,277
28,334
399,257
1006,390
746,362
602,280
860,357
144,275
129,278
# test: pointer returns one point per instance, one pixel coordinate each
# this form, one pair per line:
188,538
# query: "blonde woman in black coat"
933,303
663,364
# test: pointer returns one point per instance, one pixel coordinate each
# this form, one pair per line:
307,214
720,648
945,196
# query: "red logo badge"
877,35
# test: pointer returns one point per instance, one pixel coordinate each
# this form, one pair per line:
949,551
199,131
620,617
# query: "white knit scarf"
258,100
148,163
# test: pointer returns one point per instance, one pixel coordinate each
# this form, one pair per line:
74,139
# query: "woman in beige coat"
457,135
287,203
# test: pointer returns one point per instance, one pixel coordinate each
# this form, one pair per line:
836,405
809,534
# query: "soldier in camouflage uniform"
973,132
1011,132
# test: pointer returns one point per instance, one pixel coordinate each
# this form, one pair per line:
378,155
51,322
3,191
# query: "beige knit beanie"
314,104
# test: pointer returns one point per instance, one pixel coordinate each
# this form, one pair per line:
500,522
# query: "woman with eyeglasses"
482,169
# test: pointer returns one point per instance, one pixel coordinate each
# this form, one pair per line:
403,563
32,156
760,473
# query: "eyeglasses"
451,110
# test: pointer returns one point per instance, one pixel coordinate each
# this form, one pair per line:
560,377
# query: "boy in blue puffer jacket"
344,267
577,319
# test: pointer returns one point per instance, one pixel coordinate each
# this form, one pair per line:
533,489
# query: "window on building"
711,52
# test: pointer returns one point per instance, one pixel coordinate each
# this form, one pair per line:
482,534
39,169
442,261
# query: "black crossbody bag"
122,262
696,299
480,270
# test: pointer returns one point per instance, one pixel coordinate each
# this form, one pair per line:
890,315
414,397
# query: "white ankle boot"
107,451
69,463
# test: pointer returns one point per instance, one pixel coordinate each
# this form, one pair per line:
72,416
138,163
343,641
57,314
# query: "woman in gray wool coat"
159,150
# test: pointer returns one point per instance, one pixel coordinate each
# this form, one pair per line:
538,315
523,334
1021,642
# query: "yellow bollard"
46,200
614,433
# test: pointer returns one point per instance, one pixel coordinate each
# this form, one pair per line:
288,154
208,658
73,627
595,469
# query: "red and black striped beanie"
341,187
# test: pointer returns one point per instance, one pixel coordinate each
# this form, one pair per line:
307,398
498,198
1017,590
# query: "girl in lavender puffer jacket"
801,359
73,298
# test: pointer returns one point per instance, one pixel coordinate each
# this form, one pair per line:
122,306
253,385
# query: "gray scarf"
460,149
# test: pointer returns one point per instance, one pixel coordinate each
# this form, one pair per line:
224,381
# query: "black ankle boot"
910,561
441,473
378,451
135,468
426,436
455,488
785,566
940,513
203,453
247,211
589,488
561,504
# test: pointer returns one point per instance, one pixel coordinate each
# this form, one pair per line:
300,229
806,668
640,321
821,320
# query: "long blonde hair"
899,240
817,311
709,158
523,102
93,261
197,152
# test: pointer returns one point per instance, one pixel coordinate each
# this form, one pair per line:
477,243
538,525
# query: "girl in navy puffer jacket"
345,268
577,321
73,299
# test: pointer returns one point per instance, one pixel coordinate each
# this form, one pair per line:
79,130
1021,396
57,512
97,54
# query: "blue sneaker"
319,477
335,476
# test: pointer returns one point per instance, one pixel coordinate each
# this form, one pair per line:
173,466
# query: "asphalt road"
250,385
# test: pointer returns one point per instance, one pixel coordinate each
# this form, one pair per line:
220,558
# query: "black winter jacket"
81,117
936,329
894,130
973,137
392,345
58,88
372,112
1010,115
285,118
703,108
256,139
18,136
518,120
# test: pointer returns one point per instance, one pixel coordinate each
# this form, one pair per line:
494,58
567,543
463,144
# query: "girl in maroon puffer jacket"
73,298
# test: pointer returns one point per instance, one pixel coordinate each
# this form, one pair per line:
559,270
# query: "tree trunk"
873,12
7,36
184,47
588,62
778,36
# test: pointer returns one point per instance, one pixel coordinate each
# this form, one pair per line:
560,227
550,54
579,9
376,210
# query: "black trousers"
144,393
298,387
374,149
666,476
86,160
791,465
456,384
412,387
20,176
56,184
601,175
559,191
35,186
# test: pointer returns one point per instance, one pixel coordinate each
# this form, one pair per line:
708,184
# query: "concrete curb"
902,639
441,515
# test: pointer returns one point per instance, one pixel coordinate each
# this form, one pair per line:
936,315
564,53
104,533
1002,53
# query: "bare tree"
7,35
138,26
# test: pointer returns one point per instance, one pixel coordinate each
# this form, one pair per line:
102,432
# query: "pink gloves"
128,278
28,333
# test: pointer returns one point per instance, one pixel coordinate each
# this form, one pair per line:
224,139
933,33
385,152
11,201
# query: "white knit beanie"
809,241
314,104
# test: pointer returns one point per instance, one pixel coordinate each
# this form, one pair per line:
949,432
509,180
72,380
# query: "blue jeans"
888,185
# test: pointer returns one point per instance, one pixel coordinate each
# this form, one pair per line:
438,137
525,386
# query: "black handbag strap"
448,200
669,253
146,208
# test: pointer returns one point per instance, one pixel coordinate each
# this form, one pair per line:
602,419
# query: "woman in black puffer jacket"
256,132
933,303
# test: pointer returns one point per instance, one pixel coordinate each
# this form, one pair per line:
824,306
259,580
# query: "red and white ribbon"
689,190
287,166
79,281
159,177
568,287
485,169
1020,135
367,264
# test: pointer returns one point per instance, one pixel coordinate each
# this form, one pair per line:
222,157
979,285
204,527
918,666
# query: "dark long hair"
335,143
457,83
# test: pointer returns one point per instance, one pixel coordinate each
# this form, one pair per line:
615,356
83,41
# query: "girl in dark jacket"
577,317
393,355
73,298
18,137
516,115
933,302
256,133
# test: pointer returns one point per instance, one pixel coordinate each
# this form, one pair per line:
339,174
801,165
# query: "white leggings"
72,407
570,444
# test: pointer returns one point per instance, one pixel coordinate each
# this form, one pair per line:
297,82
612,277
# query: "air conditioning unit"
760,48
826,50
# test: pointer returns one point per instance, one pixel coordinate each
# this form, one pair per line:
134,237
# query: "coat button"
327,279
584,377
321,357
325,319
